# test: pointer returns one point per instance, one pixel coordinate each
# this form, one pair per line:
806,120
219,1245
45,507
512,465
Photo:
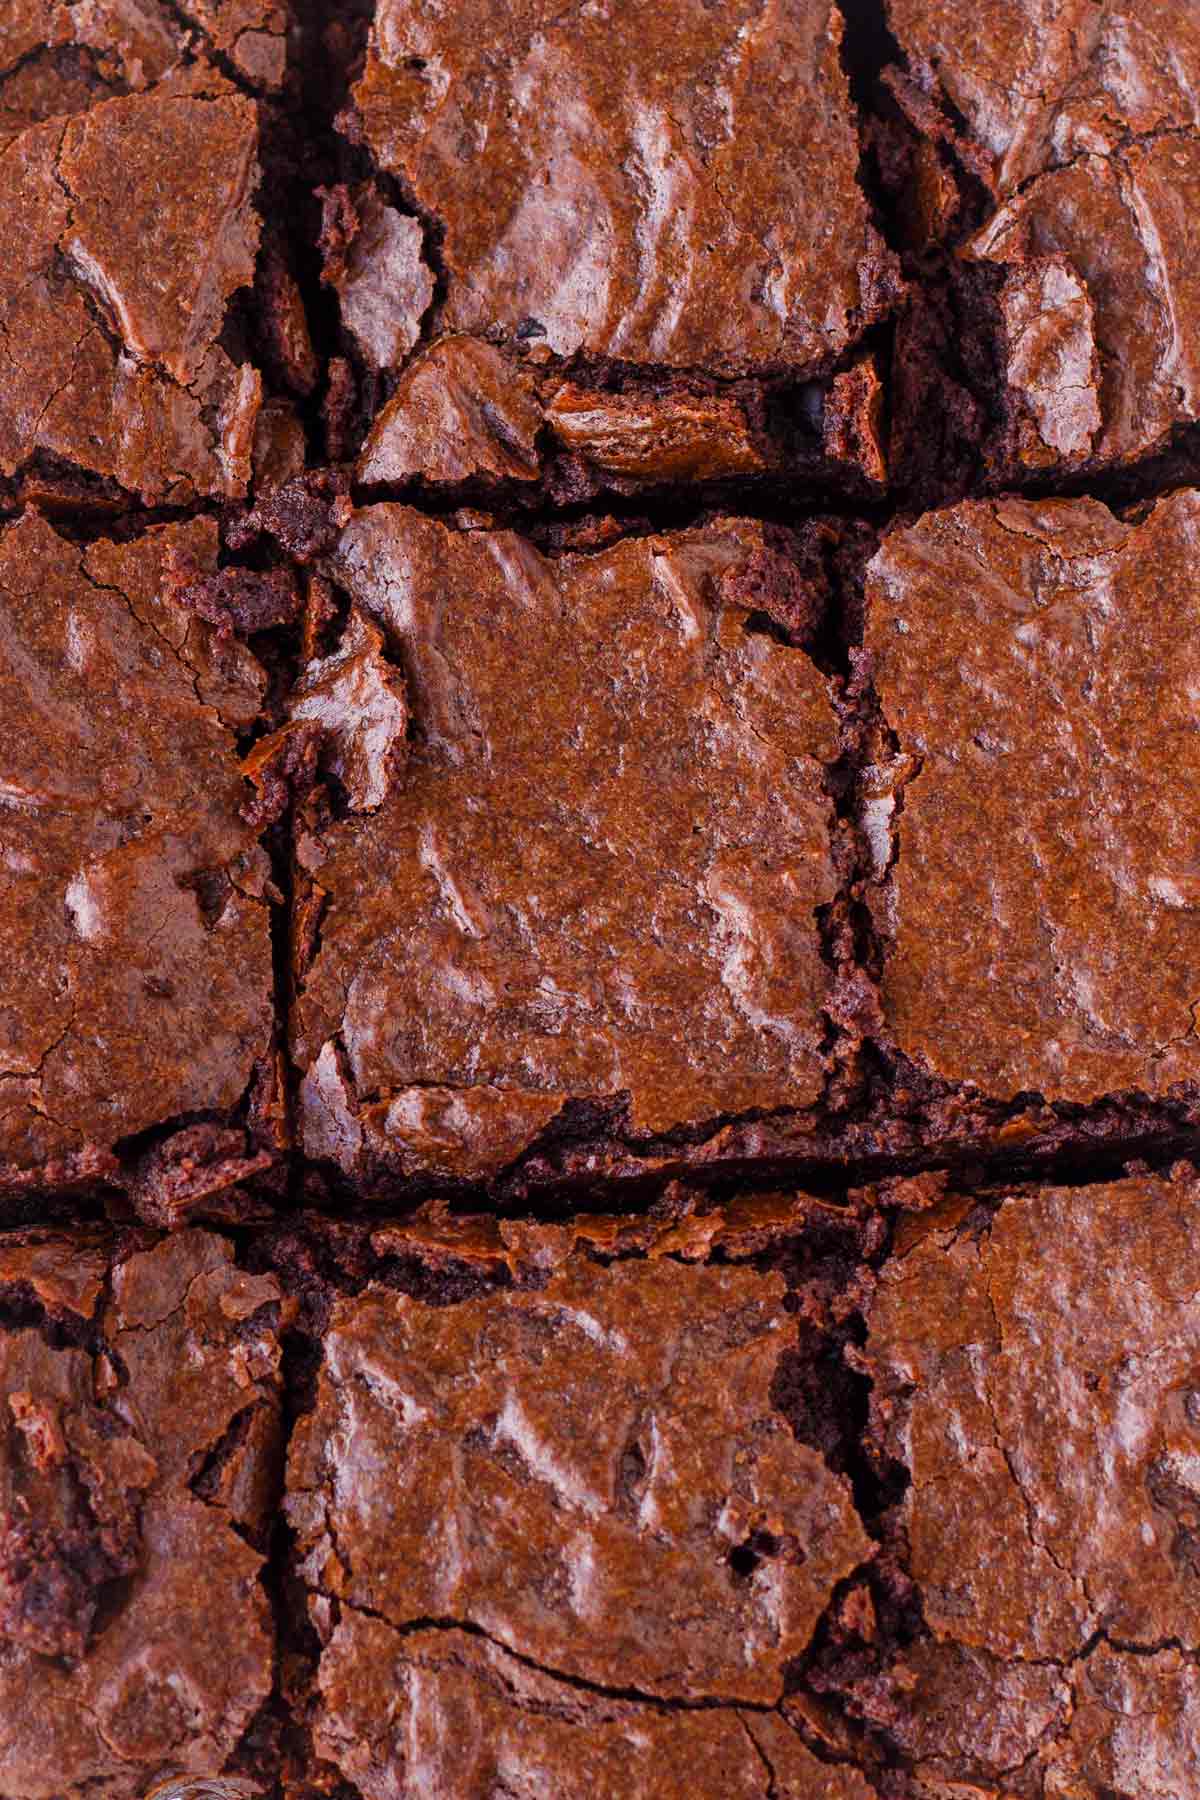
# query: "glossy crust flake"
598,869
1083,121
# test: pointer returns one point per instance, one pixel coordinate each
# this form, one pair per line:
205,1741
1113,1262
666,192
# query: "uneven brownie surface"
138,1472
596,874
1034,1370
598,1515
595,621
137,981
1031,828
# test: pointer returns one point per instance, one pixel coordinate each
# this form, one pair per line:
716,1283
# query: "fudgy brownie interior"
599,1102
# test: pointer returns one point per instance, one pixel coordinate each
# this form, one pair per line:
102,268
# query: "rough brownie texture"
599,1097
1026,817
139,1469
1081,127
654,260
137,983
600,1520
1034,1372
583,877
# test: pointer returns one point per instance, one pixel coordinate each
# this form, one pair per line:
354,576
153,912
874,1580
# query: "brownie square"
1030,811
637,217
136,983
130,225
586,891
558,1533
1034,1369
139,1451
1084,142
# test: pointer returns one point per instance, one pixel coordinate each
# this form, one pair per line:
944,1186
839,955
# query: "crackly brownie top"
591,1479
457,1714
1088,121
129,227
598,871
1036,661
1036,1371
664,185
135,973
136,1477
62,56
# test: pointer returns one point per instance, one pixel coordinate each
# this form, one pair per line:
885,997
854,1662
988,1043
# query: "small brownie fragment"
129,227
1034,832
590,1508
1035,1370
139,1464
595,876
636,209
1086,135
135,981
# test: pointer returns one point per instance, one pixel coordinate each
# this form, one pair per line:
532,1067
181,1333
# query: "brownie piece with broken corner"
581,856
655,262
1033,1355
130,226
140,1449
1028,805
1081,134
597,1544
136,985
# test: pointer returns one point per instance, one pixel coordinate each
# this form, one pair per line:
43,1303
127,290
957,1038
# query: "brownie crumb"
232,599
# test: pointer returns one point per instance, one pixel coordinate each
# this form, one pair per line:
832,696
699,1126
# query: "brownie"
116,286
596,1549
137,975
636,243
1034,1372
1084,138
1028,809
599,1091
582,850
139,1469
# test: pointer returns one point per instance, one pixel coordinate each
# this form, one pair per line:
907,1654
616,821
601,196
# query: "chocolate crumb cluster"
599,896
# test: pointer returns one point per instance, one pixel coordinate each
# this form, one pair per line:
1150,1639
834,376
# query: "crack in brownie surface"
599,1518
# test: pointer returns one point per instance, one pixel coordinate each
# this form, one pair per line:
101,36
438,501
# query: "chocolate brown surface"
598,872
599,1107
1045,1407
669,188
138,1473
573,1482
615,202
1083,123
1032,839
136,963
114,290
